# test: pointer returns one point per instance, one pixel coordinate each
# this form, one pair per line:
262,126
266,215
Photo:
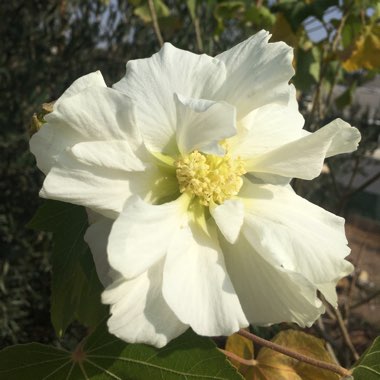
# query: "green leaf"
368,366
308,68
345,98
260,17
143,11
297,11
233,9
191,5
104,357
351,29
75,289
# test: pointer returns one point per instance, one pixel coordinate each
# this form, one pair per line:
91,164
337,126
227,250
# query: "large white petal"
94,114
345,140
139,313
97,114
229,217
94,79
303,158
294,234
267,128
258,73
49,142
196,285
96,237
202,124
99,188
152,82
142,233
108,154
268,292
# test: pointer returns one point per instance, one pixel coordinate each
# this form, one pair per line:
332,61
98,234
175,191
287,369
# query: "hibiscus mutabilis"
184,166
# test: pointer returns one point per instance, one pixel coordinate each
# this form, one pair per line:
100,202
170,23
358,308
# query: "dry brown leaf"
274,365
243,348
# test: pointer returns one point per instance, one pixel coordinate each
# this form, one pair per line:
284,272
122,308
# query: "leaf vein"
55,371
32,365
104,370
144,363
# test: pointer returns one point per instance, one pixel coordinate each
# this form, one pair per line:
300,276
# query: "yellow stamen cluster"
212,178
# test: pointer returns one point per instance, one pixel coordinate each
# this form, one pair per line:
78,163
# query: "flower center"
212,179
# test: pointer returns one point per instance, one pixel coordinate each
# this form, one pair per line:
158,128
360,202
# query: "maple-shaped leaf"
102,356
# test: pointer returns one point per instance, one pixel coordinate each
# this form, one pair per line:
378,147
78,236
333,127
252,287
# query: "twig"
296,355
315,105
347,304
332,86
323,64
192,7
329,342
346,336
231,355
328,311
334,47
347,196
354,172
338,32
198,34
364,185
156,27
333,178
367,299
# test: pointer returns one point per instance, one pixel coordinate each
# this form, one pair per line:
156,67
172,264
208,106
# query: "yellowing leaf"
243,348
366,53
270,364
240,346
282,31
273,365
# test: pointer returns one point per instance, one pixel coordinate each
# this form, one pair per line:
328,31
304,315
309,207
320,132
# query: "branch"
365,184
375,294
345,334
156,27
296,355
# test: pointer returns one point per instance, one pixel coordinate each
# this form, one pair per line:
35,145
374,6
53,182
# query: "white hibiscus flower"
186,163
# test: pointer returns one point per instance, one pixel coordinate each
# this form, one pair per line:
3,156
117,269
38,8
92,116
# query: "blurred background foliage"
46,44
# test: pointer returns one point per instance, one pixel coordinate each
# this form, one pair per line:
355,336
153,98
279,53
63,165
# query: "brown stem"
231,355
346,197
333,178
296,355
367,299
346,336
330,93
197,27
354,172
338,32
329,342
352,286
156,27
365,184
